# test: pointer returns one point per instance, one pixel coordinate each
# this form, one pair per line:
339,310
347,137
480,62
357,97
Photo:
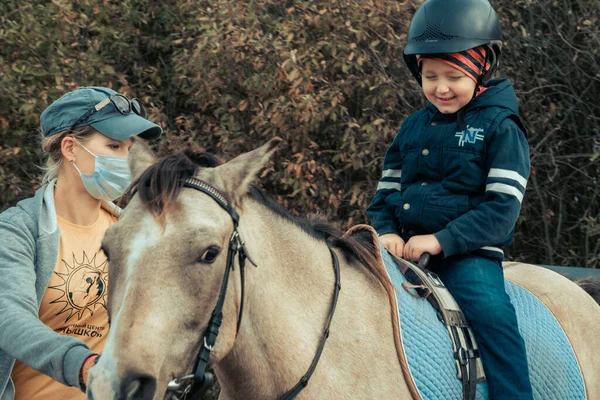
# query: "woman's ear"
67,148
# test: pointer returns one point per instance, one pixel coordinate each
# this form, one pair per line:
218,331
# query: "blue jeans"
477,284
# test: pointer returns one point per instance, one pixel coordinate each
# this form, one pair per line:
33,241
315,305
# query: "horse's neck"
288,300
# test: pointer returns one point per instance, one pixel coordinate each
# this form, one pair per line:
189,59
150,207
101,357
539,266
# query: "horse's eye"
210,255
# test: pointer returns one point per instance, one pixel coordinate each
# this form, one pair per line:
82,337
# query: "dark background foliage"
327,77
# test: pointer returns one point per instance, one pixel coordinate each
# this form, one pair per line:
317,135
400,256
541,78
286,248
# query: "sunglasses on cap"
123,105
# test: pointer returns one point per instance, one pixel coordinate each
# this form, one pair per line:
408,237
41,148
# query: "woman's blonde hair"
52,146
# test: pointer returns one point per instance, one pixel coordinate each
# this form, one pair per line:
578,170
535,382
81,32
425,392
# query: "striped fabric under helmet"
470,62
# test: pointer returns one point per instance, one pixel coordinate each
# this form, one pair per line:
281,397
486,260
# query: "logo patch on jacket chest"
469,135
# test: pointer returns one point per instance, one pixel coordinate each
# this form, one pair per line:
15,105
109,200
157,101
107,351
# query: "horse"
169,251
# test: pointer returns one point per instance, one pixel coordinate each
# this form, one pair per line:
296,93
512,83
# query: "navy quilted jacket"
461,176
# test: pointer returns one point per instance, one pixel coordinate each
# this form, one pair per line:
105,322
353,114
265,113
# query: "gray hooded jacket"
29,244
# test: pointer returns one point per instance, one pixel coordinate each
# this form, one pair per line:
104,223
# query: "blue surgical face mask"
110,177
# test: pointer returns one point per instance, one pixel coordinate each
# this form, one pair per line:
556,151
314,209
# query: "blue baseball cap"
71,107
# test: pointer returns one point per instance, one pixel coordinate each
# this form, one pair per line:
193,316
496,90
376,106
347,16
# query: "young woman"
53,271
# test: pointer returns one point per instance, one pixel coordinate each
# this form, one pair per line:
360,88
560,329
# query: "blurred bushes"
327,77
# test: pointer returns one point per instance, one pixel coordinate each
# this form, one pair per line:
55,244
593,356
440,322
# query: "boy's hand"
418,245
393,243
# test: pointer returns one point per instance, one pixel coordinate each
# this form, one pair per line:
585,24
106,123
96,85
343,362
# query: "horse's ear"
237,174
140,158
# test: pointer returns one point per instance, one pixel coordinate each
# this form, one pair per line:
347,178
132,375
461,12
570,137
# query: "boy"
455,175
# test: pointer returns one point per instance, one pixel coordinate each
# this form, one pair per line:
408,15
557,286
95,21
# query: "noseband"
197,383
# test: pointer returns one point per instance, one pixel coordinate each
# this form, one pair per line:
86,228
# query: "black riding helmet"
450,26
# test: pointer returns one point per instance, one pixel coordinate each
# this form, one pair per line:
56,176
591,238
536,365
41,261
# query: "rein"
197,383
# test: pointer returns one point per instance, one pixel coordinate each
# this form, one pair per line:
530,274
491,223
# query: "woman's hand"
393,243
85,369
420,244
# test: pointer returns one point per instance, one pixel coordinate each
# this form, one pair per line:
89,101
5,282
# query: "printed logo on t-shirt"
83,287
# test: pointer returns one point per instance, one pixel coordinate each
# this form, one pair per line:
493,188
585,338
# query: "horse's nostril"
133,388
137,386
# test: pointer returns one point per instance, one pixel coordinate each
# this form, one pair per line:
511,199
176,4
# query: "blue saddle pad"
553,367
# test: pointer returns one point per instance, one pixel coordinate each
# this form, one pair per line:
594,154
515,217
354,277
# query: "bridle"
201,380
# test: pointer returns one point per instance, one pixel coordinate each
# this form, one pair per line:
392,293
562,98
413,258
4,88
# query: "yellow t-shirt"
74,304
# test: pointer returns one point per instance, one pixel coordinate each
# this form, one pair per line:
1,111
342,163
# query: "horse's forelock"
203,159
159,186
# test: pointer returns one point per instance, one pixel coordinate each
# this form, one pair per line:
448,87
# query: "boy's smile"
446,99
446,87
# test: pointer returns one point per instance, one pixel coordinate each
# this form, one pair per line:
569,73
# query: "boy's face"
445,87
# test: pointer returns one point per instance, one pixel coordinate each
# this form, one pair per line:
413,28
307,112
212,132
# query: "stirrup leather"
427,285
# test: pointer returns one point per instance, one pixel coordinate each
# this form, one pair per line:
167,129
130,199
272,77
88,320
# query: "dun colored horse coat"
167,257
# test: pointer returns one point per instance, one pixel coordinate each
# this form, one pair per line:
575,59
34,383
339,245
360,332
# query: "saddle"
427,285
430,356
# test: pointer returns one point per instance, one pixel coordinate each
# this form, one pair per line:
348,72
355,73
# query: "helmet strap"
411,62
493,57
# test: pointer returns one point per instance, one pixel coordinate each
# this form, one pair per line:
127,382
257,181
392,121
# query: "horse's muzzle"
131,386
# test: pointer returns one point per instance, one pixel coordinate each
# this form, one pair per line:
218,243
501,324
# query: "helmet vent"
433,33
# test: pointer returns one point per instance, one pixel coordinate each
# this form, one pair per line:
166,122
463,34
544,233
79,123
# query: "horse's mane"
159,186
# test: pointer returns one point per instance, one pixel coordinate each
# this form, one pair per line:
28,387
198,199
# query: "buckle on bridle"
179,388
207,347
